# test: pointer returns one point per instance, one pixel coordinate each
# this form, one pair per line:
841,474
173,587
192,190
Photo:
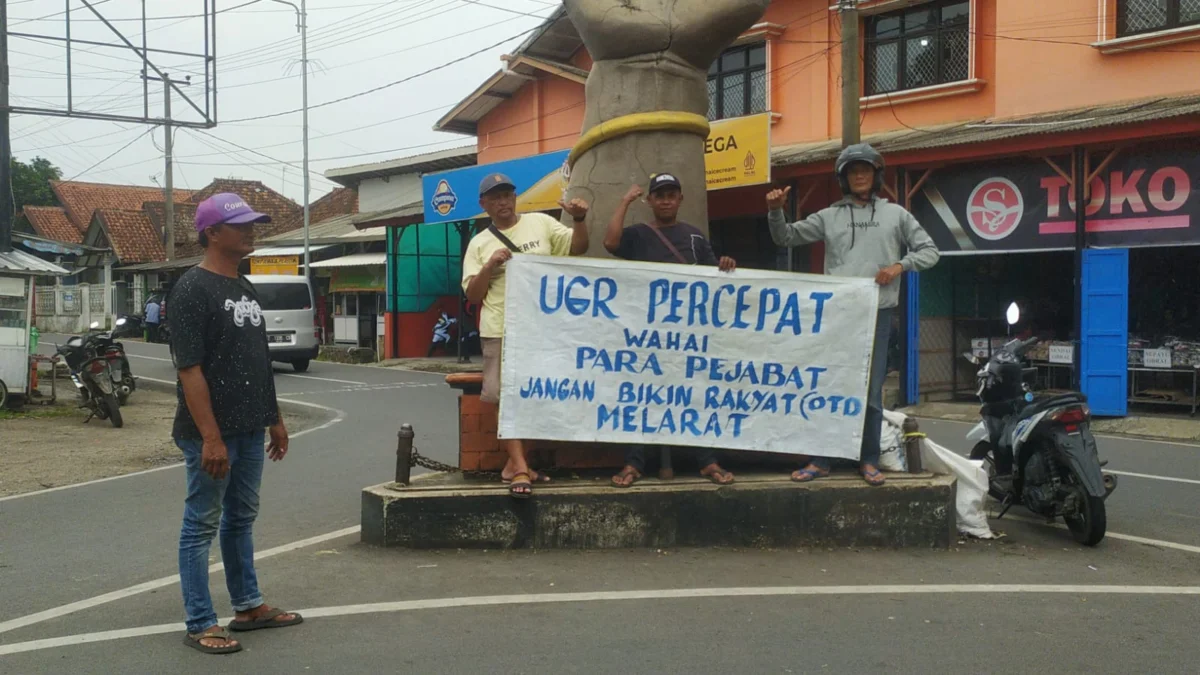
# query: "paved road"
72,545
61,546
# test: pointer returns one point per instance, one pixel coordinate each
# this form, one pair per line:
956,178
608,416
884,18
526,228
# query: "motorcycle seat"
1044,404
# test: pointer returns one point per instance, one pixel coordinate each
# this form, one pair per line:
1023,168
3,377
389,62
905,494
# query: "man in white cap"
483,282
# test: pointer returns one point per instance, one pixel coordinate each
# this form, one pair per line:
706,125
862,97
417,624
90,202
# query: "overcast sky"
354,46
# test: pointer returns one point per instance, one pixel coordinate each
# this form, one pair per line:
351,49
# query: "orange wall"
1033,56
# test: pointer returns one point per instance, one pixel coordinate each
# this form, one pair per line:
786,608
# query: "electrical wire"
114,154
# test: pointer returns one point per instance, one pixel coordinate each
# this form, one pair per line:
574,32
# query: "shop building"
400,286
996,119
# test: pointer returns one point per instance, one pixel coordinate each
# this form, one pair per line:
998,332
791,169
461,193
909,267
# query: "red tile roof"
81,200
132,235
187,243
260,198
51,222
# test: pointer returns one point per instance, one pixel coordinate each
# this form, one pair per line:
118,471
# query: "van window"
283,297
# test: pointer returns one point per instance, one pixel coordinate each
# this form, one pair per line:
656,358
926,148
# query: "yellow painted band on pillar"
688,123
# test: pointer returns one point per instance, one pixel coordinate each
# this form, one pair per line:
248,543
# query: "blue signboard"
454,195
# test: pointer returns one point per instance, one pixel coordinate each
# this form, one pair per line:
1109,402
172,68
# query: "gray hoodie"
861,240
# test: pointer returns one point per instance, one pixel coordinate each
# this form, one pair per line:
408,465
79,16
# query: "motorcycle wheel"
983,451
113,407
1089,525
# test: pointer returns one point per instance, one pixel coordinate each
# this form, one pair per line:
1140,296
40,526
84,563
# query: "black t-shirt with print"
216,322
638,242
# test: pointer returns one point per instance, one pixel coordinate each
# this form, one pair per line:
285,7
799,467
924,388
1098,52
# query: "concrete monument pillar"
647,98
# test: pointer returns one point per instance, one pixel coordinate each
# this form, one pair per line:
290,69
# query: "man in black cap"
663,240
483,282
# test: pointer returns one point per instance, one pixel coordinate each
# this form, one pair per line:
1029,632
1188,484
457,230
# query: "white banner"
609,351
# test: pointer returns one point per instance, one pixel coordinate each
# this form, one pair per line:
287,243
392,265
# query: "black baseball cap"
659,181
495,180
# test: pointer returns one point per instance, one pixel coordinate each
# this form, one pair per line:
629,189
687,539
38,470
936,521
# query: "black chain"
417,459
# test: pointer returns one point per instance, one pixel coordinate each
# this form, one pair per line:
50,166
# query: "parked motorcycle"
1039,450
99,370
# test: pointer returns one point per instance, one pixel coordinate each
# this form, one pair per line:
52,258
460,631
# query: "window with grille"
737,82
918,47
1148,16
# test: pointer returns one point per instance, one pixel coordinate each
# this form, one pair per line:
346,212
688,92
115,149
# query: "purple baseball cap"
226,207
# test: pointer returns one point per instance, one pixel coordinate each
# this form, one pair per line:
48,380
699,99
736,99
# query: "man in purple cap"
226,399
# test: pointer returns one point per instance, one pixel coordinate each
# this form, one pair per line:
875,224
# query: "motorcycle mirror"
121,321
1014,314
971,358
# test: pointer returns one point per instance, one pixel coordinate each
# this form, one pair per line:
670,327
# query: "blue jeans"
231,503
873,419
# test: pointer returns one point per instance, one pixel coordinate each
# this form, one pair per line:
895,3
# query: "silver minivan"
290,313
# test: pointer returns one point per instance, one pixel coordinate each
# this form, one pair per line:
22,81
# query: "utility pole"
169,182
302,28
851,80
168,173
7,207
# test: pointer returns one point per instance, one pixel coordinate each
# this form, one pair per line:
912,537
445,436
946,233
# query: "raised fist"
694,30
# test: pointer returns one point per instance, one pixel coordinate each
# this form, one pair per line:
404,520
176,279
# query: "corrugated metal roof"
285,250
441,160
413,210
998,129
24,264
354,260
176,264
339,230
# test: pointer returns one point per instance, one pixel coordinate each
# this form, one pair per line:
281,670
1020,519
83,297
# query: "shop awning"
354,260
22,263
993,130
284,250
163,265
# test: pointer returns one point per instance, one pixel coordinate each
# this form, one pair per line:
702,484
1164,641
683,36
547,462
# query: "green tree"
31,182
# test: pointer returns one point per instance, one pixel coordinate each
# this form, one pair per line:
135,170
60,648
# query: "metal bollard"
404,449
912,444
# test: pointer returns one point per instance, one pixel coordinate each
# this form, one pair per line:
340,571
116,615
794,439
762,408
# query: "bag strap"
670,247
503,239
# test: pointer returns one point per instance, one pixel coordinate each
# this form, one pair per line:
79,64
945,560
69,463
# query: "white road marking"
148,358
71,608
1146,475
1112,535
610,596
1114,437
338,416
322,379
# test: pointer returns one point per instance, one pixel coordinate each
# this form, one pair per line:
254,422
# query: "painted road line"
148,358
98,600
1111,535
1151,477
322,379
616,596
1114,437
338,416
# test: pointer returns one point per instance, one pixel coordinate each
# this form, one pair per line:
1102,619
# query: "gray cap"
494,180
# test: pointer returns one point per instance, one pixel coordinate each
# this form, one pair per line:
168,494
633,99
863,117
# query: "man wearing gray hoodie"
865,235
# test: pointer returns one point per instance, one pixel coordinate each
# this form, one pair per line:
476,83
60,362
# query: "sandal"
627,472
536,476
193,640
266,620
718,475
872,475
520,487
808,474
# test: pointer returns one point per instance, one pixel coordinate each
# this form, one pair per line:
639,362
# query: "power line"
114,154
390,84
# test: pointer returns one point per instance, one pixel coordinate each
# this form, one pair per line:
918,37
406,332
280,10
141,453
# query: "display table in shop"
1191,402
